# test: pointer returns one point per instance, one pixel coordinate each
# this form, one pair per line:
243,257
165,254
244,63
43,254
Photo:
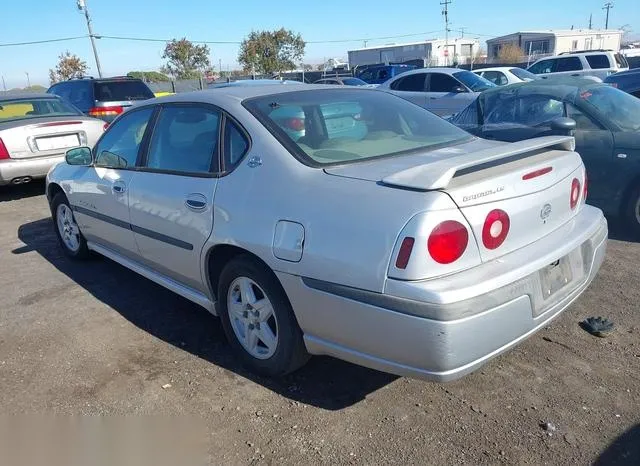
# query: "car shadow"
624,450
324,382
21,191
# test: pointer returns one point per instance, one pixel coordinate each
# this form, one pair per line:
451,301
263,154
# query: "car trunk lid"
531,181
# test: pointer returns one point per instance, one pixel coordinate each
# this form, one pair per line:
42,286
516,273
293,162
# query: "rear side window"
185,139
411,83
106,91
235,145
597,62
569,64
621,60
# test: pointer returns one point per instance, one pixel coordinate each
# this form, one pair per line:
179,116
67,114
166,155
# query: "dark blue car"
627,81
380,73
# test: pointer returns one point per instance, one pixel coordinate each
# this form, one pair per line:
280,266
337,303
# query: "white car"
503,75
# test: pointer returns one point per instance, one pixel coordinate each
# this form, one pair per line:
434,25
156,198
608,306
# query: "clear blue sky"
231,20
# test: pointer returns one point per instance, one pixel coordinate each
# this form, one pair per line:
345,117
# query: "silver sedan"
336,221
35,132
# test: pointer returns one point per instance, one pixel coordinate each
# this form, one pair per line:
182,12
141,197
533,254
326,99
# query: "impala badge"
545,212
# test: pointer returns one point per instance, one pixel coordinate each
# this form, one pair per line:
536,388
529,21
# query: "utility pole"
82,6
445,12
4,84
462,32
28,80
607,6
365,44
590,20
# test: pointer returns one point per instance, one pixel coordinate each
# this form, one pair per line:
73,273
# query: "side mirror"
563,124
459,89
80,156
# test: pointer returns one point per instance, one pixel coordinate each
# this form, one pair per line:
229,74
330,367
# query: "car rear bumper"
16,170
445,328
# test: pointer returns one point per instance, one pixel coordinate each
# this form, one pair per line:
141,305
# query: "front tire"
69,235
258,320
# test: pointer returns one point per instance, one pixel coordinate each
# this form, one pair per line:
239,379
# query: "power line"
148,39
44,41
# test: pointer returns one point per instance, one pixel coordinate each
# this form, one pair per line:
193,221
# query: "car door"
445,94
171,197
411,87
100,194
595,144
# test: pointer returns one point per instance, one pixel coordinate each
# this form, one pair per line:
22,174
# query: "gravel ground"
95,338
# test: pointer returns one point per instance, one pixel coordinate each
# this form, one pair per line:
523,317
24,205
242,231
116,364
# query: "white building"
431,52
554,42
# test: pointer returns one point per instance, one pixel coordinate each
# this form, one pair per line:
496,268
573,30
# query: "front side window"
440,82
345,125
25,109
185,139
543,67
120,145
598,62
411,83
496,77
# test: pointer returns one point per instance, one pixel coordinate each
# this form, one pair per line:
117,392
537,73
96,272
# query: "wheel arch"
52,190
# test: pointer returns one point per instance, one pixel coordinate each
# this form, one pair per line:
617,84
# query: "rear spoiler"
438,175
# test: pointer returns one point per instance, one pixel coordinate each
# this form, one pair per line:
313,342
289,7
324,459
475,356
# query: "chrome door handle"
118,188
197,202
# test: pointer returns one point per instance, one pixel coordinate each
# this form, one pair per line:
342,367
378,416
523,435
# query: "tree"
149,76
185,59
69,66
306,67
267,52
510,54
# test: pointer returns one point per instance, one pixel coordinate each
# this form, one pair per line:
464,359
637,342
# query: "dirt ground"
95,338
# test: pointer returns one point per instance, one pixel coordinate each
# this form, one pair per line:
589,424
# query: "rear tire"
632,211
67,230
258,320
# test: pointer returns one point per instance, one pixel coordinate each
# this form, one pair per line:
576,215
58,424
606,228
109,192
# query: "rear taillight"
575,193
4,153
448,241
405,252
295,124
495,229
105,111
584,189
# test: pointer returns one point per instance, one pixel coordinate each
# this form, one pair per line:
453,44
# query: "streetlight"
82,6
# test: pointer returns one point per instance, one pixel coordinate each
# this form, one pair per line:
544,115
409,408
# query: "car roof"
240,93
26,95
495,68
557,88
448,71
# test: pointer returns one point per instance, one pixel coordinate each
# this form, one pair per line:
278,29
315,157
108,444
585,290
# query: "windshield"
122,90
523,74
22,109
353,82
614,105
473,81
333,126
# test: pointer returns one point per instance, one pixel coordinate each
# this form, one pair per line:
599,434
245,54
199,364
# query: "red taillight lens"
4,153
575,193
405,252
584,189
448,241
105,111
495,229
296,124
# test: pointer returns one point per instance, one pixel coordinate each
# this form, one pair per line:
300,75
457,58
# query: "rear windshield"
23,109
353,82
621,60
122,90
333,126
473,81
523,74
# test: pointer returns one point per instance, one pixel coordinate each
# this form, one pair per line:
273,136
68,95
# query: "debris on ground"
597,326
548,426
166,385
